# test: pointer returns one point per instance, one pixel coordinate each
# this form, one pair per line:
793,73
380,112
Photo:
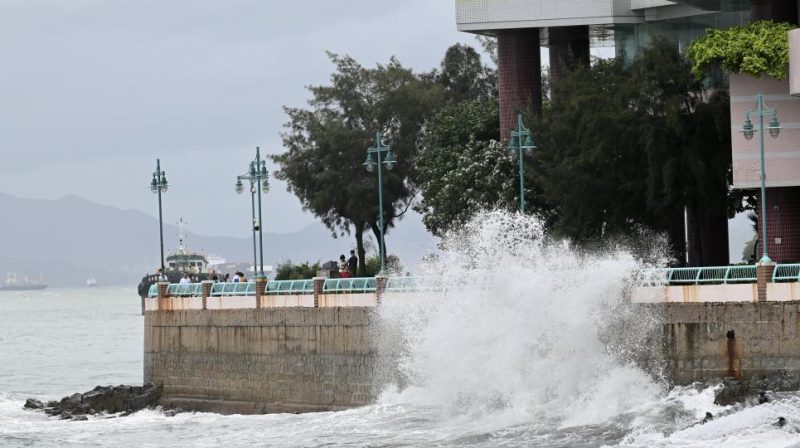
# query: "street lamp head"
369,164
747,129
263,169
512,145
252,170
774,127
164,186
528,146
239,186
265,185
154,185
390,161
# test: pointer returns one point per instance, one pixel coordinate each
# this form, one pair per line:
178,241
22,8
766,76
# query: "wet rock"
32,403
781,422
102,399
709,416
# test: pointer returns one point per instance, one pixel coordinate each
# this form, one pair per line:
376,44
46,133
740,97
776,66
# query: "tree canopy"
327,144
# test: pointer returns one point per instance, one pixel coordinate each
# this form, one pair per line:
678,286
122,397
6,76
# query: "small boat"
13,284
182,261
91,282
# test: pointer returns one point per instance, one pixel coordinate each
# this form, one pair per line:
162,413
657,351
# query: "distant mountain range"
70,239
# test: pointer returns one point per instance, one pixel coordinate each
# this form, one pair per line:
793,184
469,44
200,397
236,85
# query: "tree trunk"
376,230
362,254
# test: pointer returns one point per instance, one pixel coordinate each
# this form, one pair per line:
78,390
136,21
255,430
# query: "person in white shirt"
185,279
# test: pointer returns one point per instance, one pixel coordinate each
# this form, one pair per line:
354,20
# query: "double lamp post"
258,177
749,130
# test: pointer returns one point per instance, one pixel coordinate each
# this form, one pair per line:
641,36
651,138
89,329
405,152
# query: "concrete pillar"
261,287
162,294
763,277
569,47
519,67
783,224
206,292
319,282
380,287
775,10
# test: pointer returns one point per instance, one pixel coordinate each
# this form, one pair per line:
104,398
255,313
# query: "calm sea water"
60,341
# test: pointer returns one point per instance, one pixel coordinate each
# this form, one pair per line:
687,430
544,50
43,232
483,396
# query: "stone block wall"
755,342
261,360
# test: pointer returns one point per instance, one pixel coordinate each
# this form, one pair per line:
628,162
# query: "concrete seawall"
757,342
261,360
303,359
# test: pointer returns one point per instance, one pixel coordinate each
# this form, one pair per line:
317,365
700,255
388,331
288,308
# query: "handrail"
349,285
713,275
233,289
290,287
786,273
413,284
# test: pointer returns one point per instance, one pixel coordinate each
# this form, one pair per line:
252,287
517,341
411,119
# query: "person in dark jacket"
352,263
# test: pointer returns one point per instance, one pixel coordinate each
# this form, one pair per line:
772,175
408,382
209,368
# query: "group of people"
348,266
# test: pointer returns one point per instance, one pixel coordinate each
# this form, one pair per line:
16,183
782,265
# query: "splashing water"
518,328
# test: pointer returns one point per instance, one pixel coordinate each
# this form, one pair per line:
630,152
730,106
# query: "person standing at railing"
185,280
344,271
352,263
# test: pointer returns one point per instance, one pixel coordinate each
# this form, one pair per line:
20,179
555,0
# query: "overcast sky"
91,92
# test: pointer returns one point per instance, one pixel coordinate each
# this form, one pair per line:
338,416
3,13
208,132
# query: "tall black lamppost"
158,185
258,177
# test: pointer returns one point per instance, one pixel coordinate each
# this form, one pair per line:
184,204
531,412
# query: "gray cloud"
93,91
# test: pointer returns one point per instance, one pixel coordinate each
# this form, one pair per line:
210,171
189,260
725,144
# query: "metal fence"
349,285
714,275
290,287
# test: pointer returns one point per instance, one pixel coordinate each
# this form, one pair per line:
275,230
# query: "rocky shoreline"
100,400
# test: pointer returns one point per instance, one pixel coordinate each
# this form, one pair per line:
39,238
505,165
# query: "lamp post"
748,130
258,177
158,185
521,141
369,164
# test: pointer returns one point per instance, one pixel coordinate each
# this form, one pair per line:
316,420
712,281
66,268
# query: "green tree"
624,147
326,145
290,271
464,77
462,168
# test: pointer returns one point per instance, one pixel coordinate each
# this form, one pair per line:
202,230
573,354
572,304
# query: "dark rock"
79,418
709,416
109,399
32,403
781,422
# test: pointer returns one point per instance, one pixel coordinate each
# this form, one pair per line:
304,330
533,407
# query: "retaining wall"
261,360
756,342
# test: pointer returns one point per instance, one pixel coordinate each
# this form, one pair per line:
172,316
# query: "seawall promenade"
310,345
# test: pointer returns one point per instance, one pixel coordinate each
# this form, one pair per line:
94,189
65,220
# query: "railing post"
380,287
763,277
261,287
319,282
206,292
162,294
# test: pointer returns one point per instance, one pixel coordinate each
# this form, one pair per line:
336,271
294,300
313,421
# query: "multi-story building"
570,28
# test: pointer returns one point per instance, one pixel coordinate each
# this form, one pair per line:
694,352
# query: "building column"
775,10
783,225
519,66
569,47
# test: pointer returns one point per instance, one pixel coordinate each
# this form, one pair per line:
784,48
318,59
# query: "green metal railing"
184,290
715,275
349,285
153,291
786,273
233,289
290,287
413,284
